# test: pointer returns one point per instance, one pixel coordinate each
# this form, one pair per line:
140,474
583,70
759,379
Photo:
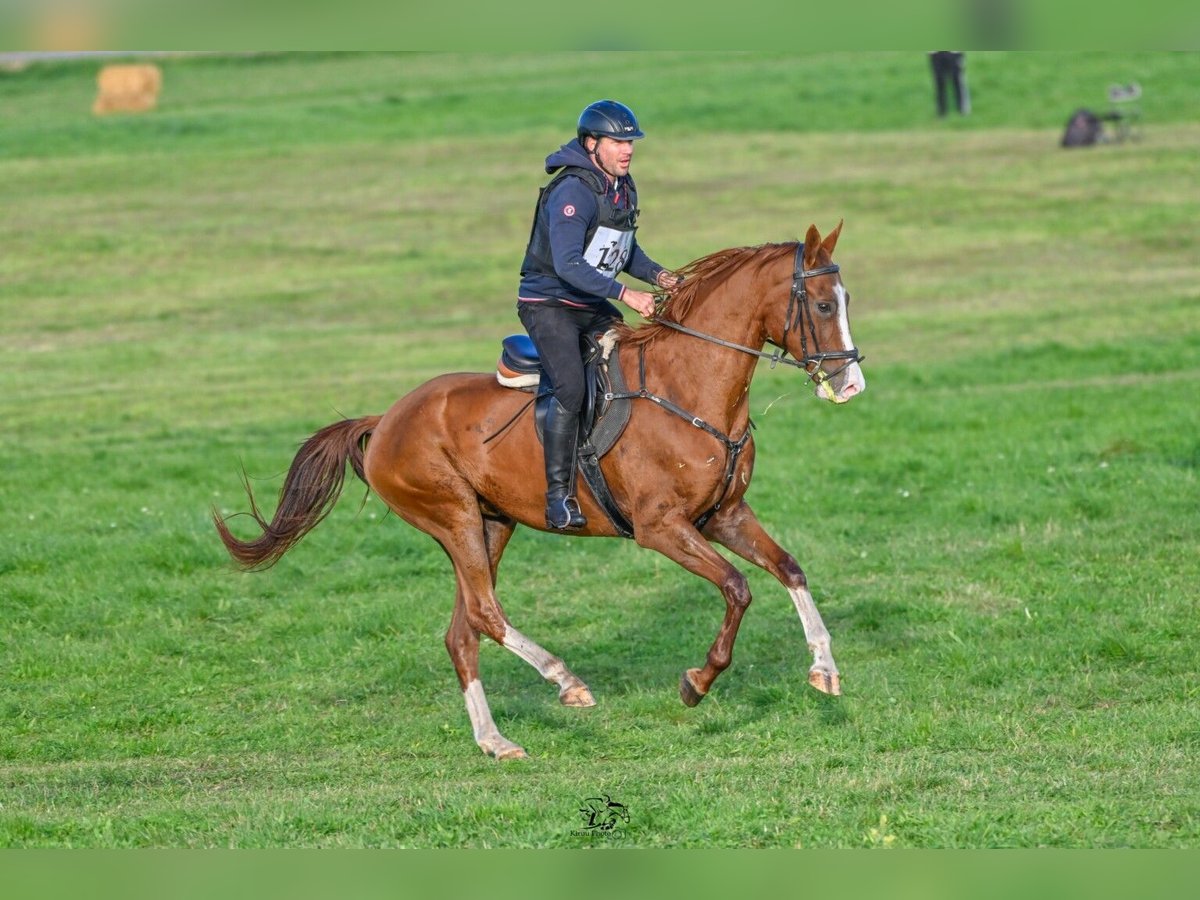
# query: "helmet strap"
594,156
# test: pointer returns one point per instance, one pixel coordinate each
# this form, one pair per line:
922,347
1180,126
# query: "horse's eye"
825,308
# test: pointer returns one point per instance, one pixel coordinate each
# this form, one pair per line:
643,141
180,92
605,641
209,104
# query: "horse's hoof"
687,690
825,682
503,749
578,696
513,752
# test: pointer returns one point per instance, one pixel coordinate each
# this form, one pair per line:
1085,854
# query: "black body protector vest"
607,244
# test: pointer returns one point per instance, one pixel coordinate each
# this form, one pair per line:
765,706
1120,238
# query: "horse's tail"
309,493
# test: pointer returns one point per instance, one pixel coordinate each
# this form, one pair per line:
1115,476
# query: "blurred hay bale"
127,88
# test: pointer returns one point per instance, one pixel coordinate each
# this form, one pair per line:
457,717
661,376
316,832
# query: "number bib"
609,250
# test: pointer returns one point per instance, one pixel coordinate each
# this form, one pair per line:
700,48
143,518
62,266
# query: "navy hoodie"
572,211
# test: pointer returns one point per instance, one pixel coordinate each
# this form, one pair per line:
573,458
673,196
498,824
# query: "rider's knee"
570,397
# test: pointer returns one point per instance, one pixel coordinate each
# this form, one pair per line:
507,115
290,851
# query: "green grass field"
1001,534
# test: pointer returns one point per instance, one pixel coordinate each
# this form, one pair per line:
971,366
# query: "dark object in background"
949,69
1085,128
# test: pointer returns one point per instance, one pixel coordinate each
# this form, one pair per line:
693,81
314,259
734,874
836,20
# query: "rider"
582,237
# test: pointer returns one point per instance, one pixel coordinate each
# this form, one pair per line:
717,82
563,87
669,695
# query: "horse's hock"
127,88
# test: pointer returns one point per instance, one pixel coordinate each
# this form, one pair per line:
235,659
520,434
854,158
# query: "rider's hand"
641,301
668,281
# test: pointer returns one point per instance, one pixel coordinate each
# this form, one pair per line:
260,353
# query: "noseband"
797,313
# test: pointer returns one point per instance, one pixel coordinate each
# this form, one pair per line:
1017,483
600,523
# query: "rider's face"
611,155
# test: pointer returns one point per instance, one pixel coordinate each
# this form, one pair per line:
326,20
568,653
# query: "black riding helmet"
608,118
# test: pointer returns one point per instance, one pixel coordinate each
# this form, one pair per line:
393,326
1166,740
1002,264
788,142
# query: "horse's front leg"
678,540
737,528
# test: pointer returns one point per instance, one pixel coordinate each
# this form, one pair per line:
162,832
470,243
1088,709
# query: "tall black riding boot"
560,435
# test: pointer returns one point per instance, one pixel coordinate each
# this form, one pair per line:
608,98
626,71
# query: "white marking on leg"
480,713
548,665
487,735
571,689
814,631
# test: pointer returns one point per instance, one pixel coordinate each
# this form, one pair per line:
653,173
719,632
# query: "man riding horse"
582,237
451,456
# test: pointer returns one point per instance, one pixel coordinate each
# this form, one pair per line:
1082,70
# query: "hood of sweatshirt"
569,154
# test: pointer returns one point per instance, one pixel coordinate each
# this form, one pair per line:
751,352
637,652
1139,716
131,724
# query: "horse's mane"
700,277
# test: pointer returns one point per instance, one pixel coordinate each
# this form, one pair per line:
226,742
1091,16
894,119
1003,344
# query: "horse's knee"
736,590
793,576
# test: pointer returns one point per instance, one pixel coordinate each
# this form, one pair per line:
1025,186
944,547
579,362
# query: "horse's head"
816,325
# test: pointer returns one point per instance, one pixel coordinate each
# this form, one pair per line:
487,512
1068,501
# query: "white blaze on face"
853,380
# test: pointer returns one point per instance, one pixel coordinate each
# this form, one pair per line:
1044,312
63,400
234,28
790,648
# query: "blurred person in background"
949,70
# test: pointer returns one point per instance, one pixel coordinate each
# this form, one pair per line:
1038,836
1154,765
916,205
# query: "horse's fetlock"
720,659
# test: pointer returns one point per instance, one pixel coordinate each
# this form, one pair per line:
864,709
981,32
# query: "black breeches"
556,332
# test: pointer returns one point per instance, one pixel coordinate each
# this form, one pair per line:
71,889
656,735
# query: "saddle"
602,420
603,417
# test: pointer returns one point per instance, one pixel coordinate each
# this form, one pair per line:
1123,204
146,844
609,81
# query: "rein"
797,311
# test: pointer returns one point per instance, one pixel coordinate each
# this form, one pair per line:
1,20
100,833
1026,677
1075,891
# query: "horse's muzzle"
843,386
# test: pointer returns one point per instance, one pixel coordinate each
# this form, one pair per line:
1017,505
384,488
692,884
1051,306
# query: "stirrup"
564,514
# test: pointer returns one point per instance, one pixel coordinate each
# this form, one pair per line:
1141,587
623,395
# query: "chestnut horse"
678,473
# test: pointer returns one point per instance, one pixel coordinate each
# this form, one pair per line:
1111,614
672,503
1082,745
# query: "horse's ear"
831,239
812,243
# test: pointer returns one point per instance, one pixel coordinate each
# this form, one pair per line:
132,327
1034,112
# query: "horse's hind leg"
449,513
475,555
737,528
571,690
477,610
462,642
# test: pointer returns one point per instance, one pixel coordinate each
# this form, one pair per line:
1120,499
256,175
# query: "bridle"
797,312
